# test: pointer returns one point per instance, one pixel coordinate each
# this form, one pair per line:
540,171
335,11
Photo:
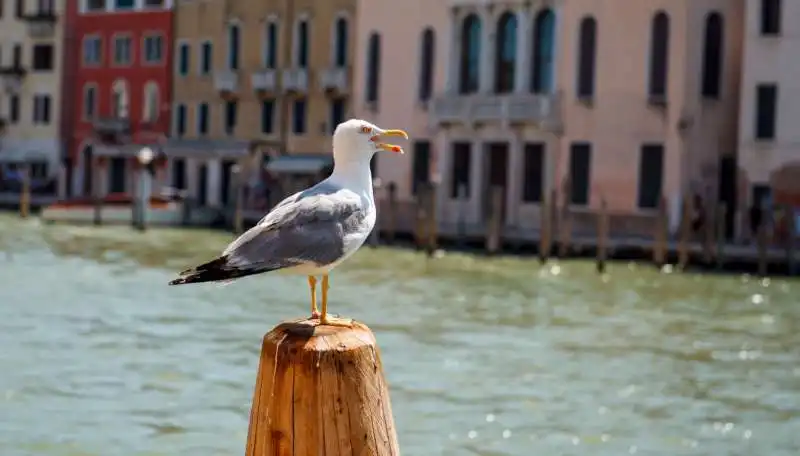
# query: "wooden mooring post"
321,391
239,176
722,212
602,237
432,231
495,228
391,213
791,240
546,227
565,226
686,232
709,231
25,193
660,235
762,246
97,195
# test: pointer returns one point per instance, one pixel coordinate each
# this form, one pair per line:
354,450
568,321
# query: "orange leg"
312,284
324,319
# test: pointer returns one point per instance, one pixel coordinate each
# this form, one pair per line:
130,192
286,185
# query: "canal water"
484,356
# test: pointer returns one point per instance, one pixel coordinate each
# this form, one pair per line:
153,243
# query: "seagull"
314,230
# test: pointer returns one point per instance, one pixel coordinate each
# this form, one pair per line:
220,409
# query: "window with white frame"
153,3
153,49
124,4
92,50
123,50
95,5
89,101
41,109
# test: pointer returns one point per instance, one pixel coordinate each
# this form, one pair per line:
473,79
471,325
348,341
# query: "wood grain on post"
660,234
686,230
320,391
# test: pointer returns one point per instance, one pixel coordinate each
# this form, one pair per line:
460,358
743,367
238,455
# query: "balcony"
295,80
334,79
41,24
519,109
11,78
264,80
111,125
226,81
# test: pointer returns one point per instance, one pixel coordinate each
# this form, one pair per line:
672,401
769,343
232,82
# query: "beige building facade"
579,96
268,77
31,37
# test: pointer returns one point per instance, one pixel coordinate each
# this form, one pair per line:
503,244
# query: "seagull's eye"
366,130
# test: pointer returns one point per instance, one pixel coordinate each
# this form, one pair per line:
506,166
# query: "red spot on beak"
396,149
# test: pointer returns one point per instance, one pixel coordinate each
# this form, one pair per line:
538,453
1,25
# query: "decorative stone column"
522,74
487,57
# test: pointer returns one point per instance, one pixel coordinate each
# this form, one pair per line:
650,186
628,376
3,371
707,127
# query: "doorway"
496,166
88,177
727,191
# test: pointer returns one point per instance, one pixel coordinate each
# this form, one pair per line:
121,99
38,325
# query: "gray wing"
309,227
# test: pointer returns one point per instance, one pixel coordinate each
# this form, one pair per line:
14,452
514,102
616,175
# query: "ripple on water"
484,356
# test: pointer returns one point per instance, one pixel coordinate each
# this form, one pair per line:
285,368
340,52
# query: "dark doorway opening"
88,176
496,176
728,170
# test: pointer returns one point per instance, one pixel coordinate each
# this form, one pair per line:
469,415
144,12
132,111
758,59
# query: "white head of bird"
358,140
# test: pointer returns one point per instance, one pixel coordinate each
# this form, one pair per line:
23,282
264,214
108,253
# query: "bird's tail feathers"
216,270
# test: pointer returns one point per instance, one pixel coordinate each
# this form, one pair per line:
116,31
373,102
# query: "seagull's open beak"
389,147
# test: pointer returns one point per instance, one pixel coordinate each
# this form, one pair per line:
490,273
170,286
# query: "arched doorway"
87,155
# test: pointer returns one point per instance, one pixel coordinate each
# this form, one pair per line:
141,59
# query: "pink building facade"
579,97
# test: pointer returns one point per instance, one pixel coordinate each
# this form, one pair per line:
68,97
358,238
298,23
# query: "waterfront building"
117,87
400,65
268,79
577,96
769,149
31,37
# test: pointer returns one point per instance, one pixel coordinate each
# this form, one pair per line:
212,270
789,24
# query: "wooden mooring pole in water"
320,391
25,194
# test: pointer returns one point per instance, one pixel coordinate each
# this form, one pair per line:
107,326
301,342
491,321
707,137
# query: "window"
180,120
202,119
153,49
301,56
469,64
505,53
337,113
587,57
233,47
17,55
41,109
271,46
122,50
659,55
462,158
13,108
19,8
206,58
299,117
544,49
766,111
117,174
373,67
340,40
178,179
580,161
771,17
95,5
124,4
651,170
153,3
533,173
150,107
230,117
426,64
92,50
42,57
267,116
89,101
421,165
712,56
184,53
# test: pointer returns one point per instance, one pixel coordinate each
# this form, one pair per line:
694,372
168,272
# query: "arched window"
233,47
373,67
340,40
150,107
587,56
271,45
301,56
713,55
90,101
426,64
505,53
469,68
119,99
544,47
659,55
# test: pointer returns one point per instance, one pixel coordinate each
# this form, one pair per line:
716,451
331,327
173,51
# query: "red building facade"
117,88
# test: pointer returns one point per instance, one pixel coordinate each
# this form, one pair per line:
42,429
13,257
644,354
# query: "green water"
484,357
